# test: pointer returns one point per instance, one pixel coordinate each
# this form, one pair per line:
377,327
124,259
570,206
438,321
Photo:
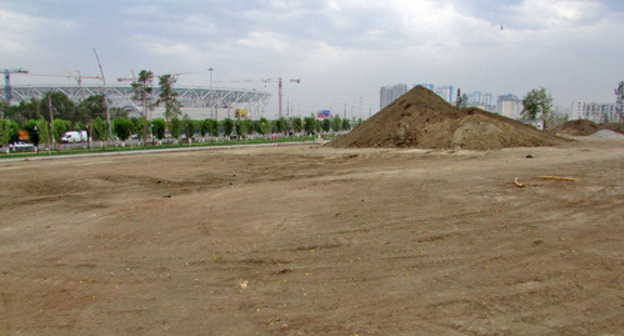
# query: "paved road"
151,151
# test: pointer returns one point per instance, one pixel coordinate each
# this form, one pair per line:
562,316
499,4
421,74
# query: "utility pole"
110,129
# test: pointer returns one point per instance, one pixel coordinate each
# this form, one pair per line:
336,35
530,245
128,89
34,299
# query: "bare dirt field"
313,240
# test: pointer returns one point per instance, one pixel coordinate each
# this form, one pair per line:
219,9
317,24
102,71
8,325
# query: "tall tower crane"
280,86
8,92
134,77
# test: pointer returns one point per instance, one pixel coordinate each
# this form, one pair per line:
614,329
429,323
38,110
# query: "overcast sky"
342,50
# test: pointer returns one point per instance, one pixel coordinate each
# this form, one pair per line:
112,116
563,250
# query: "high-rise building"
427,85
510,106
388,94
446,92
592,111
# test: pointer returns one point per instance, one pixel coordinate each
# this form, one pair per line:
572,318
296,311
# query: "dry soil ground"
316,241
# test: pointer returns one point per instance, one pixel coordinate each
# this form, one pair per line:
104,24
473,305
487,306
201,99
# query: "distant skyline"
342,50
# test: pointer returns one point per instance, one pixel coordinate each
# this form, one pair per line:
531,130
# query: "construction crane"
280,86
134,77
77,76
8,91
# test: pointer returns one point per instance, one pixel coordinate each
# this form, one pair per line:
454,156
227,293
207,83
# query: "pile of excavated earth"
585,128
422,119
575,128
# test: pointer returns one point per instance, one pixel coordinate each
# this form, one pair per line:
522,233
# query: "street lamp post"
216,114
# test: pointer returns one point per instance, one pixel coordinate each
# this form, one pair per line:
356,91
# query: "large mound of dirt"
422,119
616,127
575,128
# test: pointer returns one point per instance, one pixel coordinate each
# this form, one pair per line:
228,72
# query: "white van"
73,136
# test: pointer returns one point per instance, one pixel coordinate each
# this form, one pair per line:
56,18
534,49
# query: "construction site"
424,220
197,102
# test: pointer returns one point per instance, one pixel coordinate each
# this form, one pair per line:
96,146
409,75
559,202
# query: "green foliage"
78,126
210,126
138,126
213,127
297,123
228,126
189,127
249,125
122,128
241,128
175,127
262,126
169,97
317,125
336,123
309,124
99,129
59,127
537,103
159,127
326,125
142,93
43,126
61,106
32,129
282,125
6,131
346,124
92,107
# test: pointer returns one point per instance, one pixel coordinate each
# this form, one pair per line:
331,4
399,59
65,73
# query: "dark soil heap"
615,127
575,128
422,119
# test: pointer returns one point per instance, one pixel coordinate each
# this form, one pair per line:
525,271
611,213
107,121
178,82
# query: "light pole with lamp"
211,89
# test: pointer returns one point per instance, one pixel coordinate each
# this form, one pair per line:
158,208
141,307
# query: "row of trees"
538,103
123,128
242,128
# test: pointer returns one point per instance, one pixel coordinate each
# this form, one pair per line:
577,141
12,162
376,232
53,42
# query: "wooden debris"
558,178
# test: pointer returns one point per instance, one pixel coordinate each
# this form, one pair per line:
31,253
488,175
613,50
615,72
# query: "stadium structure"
197,102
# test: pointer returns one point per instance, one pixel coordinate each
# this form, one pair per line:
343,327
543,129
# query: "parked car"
21,146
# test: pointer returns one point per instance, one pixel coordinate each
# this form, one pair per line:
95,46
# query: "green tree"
122,128
326,125
43,126
346,124
282,125
228,126
59,127
137,126
6,132
169,97
241,128
92,107
262,126
537,103
189,127
297,124
619,101
159,127
78,126
61,106
213,127
249,125
99,129
142,93
309,123
175,127
32,129
336,123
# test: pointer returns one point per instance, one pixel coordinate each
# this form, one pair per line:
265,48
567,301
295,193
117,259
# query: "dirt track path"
300,241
